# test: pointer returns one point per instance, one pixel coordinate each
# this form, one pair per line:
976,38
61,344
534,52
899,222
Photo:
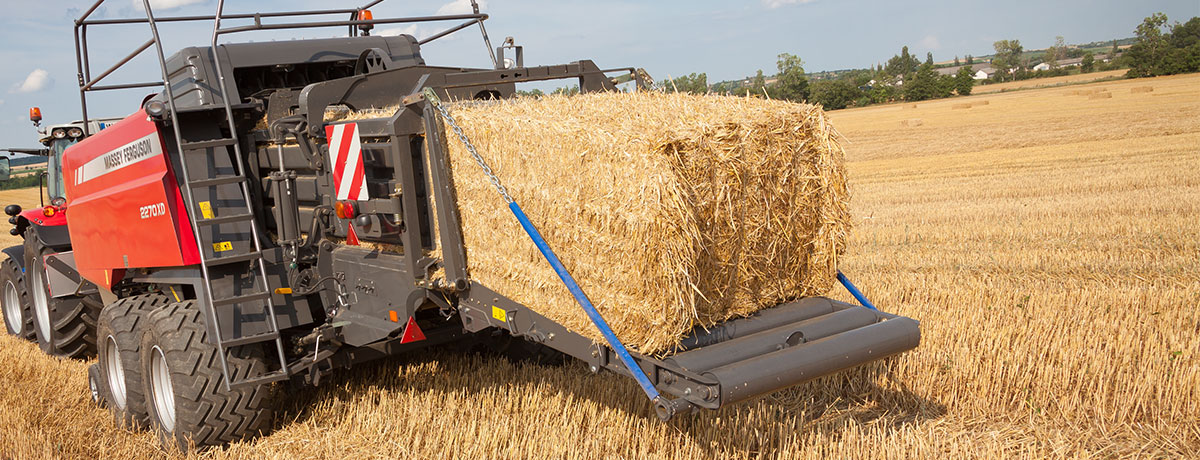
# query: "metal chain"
458,131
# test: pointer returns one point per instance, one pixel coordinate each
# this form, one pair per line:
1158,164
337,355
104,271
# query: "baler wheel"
64,326
97,386
119,332
184,386
14,295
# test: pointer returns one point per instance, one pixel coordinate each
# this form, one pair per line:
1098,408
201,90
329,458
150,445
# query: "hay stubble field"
1046,239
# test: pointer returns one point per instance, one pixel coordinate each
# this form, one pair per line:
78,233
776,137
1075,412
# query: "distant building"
984,73
1073,62
982,70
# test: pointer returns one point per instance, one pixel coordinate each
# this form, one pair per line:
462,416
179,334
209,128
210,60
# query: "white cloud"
460,7
772,4
36,81
930,42
394,31
165,4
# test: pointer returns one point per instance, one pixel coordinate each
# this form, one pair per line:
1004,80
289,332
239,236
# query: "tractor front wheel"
14,299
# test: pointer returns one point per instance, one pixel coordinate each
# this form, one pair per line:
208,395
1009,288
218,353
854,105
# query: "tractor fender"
17,254
54,236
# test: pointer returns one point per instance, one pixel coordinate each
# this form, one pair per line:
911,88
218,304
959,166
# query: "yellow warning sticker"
499,314
206,209
222,246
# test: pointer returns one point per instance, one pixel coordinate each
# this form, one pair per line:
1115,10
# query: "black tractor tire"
185,388
14,301
70,322
97,386
119,340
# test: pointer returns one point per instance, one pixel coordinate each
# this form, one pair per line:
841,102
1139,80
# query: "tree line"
1157,50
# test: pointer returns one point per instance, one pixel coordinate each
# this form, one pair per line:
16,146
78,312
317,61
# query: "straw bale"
1141,89
670,210
961,106
912,122
1101,95
978,103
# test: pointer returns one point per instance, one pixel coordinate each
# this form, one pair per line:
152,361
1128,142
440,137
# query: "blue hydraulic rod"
862,299
601,324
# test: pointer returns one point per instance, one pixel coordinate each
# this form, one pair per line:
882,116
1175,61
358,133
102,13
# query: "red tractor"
62,321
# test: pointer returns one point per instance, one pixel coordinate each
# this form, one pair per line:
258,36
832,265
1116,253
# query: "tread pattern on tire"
205,413
125,320
72,319
10,271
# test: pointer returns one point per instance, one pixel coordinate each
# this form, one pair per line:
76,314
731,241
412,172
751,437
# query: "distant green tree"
1112,54
923,85
1088,64
902,64
692,83
970,59
929,58
565,91
792,84
532,93
1147,55
1055,53
758,83
1008,58
956,64
964,80
945,86
883,92
1184,44
834,94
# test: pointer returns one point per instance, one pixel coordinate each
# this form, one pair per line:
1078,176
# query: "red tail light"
345,209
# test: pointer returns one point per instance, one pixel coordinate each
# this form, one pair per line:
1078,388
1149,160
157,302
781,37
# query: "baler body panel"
125,207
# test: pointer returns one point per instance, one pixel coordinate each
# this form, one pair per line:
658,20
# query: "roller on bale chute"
232,208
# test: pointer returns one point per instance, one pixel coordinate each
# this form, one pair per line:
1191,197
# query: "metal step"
242,299
256,338
265,378
213,182
226,219
201,145
233,259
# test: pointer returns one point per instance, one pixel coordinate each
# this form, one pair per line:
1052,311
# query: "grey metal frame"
83,62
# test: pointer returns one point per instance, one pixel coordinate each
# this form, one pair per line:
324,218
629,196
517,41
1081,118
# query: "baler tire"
71,327
15,297
97,387
190,384
120,329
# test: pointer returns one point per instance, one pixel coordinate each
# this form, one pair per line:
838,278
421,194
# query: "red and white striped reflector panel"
345,156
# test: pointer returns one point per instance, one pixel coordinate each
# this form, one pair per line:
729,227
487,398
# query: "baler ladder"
202,217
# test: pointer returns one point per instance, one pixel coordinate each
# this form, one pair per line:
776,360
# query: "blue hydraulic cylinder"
601,324
862,299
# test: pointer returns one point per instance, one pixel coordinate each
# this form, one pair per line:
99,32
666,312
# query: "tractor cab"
56,139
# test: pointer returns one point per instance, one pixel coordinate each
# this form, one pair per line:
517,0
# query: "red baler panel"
125,210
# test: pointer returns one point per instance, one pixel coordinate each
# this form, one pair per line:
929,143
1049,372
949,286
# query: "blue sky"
725,39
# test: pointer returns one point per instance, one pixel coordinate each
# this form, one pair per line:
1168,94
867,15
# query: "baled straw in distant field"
670,210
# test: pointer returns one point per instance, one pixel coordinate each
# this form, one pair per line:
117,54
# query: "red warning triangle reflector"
351,237
412,332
